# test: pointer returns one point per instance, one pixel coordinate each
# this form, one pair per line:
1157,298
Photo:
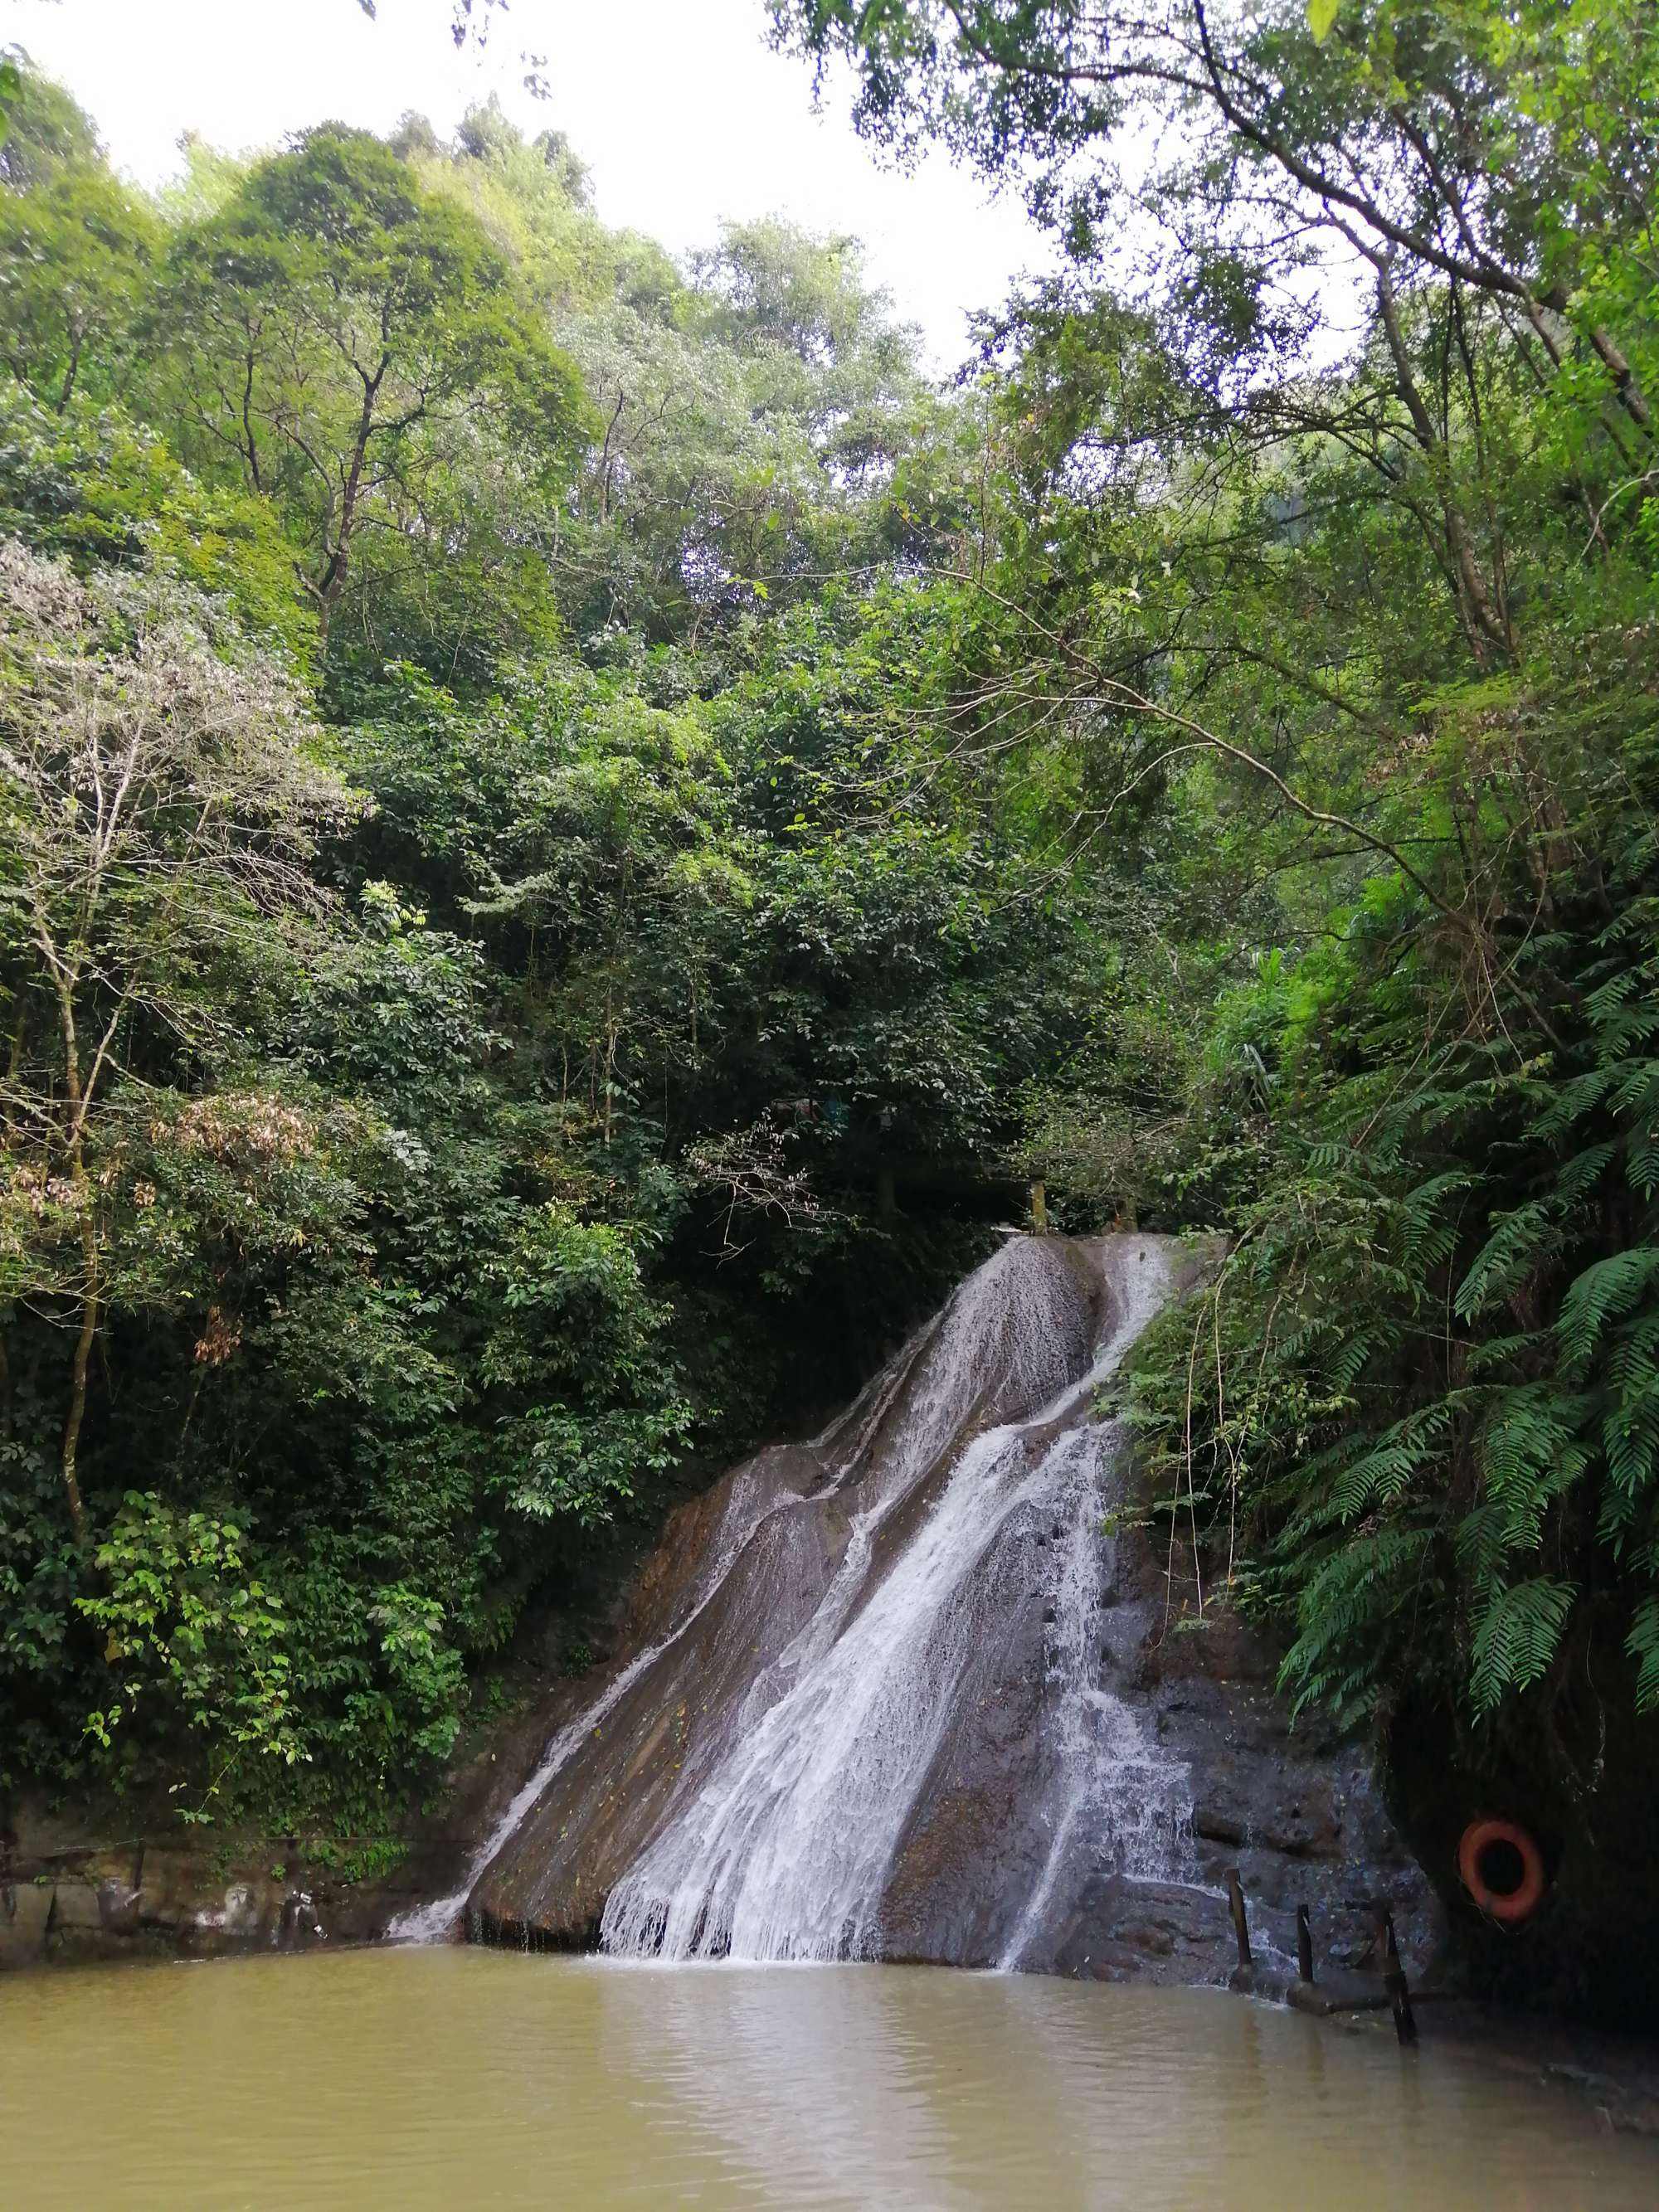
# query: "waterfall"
876,1705
785,1851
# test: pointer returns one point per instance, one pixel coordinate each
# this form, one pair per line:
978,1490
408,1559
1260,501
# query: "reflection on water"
412,2079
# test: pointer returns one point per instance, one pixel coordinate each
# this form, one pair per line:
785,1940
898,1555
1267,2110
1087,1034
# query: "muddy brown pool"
455,2077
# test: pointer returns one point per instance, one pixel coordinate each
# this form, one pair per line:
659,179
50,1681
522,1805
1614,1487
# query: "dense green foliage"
1336,529
573,824
470,1066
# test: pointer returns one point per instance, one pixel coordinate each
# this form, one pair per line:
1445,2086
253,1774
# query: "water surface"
411,2079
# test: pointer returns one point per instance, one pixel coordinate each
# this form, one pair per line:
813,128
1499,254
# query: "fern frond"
1507,1256
1581,1174
1602,1294
1572,1101
1516,1637
1339,1658
1642,1645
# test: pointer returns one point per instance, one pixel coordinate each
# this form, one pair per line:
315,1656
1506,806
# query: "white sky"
681,111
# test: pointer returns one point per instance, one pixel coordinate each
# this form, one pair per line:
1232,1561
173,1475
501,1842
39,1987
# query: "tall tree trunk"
1483,620
333,581
77,1407
78,1097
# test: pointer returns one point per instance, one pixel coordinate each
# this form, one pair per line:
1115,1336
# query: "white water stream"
786,1849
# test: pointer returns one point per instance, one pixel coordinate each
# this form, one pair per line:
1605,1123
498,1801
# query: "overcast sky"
679,108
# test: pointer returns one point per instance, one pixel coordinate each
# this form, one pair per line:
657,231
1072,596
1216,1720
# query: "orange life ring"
1501,1869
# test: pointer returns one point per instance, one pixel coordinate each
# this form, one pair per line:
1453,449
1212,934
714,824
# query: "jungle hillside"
578,827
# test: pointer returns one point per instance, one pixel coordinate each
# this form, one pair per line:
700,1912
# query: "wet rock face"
897,1693
1295,1810
67,1894
1300,1817
61,1904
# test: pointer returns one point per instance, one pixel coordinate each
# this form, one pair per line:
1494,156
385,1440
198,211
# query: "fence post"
1241,1922
1393,1977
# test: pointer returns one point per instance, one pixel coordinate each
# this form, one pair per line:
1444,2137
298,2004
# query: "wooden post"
1039,1209
1304,1958
1394,1977
1241,1922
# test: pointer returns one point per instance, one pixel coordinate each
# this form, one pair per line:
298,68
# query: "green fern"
1516,1636
1438,1404
1603,1293
1508,1254
1642,1645
1360,1590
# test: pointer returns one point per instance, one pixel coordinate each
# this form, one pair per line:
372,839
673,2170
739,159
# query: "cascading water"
872,1723
785,1851
1118,1797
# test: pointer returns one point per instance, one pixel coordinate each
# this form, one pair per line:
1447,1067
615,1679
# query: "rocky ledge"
117,1881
